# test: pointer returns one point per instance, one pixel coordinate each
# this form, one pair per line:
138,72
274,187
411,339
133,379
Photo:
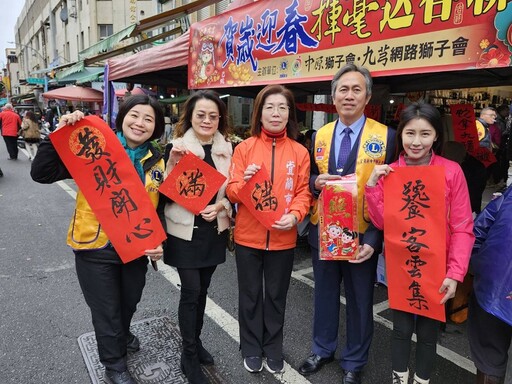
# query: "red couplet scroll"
465,132
260,199
338,233
192,183
415,239
104,173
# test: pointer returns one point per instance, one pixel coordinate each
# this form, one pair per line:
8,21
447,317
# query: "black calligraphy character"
122,202
103,178
411,238
415,262
191,185
417,300
140,232
263,197
91,147
414,197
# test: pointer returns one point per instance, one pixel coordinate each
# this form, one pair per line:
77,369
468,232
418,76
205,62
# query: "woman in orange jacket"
264,258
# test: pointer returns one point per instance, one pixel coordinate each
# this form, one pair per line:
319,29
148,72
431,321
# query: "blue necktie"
344,151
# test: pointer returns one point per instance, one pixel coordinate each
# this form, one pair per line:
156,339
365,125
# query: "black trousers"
11,142
263,282
404,324
489,340
112,292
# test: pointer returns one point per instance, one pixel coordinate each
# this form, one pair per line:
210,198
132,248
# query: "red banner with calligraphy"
104,173
465,132
259,198
338,227
415,239
192,183
294,41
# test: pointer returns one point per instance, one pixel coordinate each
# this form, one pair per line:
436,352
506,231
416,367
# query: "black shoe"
12,158
205,357
133,343
313,364
274,366
253,364
114,377
1,173
351,377
192,369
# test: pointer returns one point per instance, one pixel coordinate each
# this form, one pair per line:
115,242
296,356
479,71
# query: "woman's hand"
70,119
175,156
251,171
154,254
286,222
322,179
210,212
378,172
449,287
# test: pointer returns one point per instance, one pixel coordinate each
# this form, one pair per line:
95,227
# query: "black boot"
205,357
187,316
482,378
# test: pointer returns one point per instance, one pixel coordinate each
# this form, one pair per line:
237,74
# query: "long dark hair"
131,101
31,116
428,112
292,129
185,121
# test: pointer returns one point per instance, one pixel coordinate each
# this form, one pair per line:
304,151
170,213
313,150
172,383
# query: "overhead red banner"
104,173
294,41
415,239
259,198
465,132
192,183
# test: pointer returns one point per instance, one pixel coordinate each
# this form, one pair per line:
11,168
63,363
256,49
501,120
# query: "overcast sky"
8,16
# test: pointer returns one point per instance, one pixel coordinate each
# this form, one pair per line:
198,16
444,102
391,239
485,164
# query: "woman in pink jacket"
419,143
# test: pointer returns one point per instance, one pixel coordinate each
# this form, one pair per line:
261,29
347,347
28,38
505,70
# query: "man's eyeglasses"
491,114
281,108
203,116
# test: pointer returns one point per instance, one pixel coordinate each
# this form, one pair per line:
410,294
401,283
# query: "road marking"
444,352
230,325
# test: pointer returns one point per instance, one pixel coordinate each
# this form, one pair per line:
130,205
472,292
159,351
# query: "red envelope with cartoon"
192,183
259,198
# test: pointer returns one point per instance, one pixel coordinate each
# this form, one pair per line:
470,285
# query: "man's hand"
365,252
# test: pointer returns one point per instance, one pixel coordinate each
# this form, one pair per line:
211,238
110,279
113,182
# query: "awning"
165,57
77,67
86,75
107,44
174,100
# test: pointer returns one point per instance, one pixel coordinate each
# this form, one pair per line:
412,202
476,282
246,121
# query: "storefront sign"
415,239
295,41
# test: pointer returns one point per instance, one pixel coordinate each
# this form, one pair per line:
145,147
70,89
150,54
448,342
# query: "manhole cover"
157,361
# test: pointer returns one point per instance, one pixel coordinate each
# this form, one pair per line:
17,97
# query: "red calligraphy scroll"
415,239
104,173
465,132
259,198
338,232
192,183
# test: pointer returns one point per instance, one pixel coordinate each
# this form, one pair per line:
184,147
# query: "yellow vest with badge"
85,231
371,151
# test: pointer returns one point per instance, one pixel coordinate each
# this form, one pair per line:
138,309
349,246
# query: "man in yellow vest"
351,144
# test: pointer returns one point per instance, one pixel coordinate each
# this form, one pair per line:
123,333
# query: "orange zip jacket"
287,162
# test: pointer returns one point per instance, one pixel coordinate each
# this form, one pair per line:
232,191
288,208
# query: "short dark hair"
185,121
292,127
428,112
131,101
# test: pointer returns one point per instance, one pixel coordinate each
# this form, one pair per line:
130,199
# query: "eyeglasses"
281,108
491,114
203,116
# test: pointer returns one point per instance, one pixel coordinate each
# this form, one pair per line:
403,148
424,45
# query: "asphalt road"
42,312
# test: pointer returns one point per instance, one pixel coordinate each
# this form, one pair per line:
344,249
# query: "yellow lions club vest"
371,151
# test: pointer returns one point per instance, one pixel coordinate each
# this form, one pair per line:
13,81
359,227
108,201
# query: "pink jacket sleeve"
375,199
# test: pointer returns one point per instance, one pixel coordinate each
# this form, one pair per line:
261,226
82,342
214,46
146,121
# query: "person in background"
420,143
111,289
367,143
474,172
196,244
490,305
486,119
501,123
31,133
10,122
264,258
